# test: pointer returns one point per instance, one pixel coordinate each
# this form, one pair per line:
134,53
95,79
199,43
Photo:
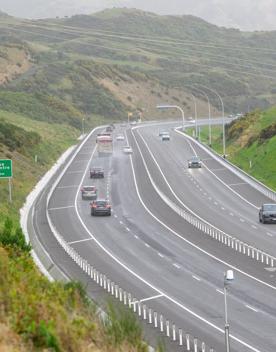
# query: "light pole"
82,126
162,107
196,125
223,117
228,279
209,115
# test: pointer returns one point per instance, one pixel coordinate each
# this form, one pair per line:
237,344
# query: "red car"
100,207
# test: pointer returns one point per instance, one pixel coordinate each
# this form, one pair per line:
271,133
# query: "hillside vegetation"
250,144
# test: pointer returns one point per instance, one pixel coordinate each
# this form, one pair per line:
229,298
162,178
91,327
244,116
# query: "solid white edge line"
124,265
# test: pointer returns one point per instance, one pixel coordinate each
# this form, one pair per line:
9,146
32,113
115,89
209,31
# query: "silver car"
89,193
194,162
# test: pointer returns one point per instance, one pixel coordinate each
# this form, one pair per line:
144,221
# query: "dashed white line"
242,220
147,245
115,216
269,234
254,227
160,255
222,208
176,265
121,222
127,229
136,237
216,203
73,186
219,291
79,241
252,308
196,278
231,214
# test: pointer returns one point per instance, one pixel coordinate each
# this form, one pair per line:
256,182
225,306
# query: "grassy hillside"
176,51
250,144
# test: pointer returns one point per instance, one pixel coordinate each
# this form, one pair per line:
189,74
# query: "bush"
13,238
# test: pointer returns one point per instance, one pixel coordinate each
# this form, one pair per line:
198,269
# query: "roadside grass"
256,158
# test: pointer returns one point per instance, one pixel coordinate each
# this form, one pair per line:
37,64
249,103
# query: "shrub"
13,238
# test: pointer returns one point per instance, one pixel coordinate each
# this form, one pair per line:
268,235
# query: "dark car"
267,213
194,162
165,137
109,129
89,192
100,207
97,172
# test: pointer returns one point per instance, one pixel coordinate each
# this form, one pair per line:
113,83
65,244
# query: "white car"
120,137
165,137
127,149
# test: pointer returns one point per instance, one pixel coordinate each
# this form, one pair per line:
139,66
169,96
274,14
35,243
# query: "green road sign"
5,168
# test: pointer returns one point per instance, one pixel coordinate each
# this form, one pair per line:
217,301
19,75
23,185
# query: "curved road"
155,254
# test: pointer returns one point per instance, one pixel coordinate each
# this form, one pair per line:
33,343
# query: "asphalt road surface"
154,253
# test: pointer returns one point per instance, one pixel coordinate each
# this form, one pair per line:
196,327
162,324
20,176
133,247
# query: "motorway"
154,253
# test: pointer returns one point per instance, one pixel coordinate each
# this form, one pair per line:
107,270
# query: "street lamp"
228,279
82,126
223,117
163,107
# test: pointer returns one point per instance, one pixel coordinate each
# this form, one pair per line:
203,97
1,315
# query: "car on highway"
97,172
89,192
161,132
165,137
194,162
120,137
127,149
267,213
100,207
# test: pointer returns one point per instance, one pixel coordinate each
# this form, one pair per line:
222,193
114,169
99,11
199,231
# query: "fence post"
173,332
144,312
139,309
116,291
161,323
203,349
180,332
125,298
150,316
195,344
188,345
112,288
120,294
129,300
167,328
155,319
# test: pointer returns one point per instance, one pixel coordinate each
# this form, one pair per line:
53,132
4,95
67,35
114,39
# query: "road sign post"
6,172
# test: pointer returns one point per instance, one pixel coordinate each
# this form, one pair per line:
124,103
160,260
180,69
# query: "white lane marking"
269,234
222,208
176,265
115,216
252,308
205,193
147,245
148,299
137,238
254,227
128,230
220,180
231,214
121,222
183,238
67,207
237,184
73,186
143,280
242,220
160,255
86,239
210,198
219,291
196,278
216,203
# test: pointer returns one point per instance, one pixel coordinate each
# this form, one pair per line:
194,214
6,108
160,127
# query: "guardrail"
259,186
145,313
212,231
155,319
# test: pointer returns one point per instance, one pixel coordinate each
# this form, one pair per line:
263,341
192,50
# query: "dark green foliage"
267,133
16,138
11,237
43,336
